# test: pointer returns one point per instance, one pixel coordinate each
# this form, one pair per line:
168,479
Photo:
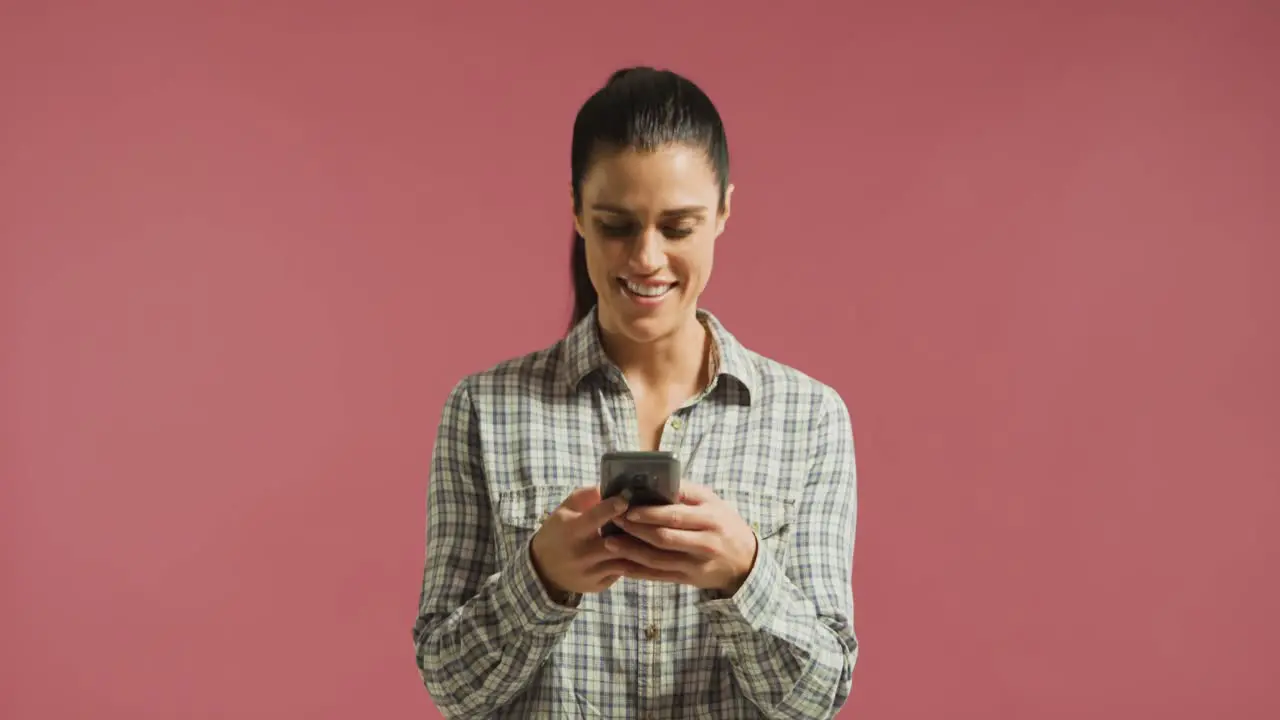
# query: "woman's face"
650,220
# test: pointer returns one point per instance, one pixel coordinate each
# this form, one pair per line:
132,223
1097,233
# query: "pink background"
247,251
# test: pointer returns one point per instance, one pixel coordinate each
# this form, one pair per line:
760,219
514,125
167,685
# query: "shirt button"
651,632
676,423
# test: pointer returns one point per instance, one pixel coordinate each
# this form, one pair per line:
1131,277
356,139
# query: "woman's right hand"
568,552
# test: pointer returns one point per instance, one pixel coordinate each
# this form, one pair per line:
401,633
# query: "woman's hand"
567,551
700,541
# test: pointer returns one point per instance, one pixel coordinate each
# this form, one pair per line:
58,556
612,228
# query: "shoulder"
533,373
774,387
785,385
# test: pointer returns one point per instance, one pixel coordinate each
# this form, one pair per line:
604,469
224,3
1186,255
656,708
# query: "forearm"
789,661
476,658
482,631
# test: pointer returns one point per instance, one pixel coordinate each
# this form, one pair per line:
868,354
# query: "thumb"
582,499
695,494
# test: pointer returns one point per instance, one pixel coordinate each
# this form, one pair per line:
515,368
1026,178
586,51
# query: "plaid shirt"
516,439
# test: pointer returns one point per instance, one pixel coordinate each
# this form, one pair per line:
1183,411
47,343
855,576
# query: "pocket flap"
767,514
527,507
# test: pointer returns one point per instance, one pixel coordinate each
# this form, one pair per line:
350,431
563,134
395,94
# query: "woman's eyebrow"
685,211
673,212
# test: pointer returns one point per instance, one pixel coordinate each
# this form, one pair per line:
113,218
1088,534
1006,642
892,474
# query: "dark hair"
641,108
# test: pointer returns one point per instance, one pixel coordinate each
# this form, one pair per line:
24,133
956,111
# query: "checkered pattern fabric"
516,439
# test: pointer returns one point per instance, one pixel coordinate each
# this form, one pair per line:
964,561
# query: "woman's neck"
676,362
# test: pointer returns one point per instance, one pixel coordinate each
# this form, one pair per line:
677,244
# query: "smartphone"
644,478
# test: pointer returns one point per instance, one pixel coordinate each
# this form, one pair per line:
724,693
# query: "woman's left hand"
700,541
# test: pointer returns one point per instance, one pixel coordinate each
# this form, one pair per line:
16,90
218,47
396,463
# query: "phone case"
645,478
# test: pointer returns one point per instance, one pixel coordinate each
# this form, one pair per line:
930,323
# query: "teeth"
647,290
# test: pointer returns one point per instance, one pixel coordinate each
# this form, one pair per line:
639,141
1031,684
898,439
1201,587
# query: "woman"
733,603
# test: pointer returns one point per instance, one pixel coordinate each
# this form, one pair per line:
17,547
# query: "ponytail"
584,293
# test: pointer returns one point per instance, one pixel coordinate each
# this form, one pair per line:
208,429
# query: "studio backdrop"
247,248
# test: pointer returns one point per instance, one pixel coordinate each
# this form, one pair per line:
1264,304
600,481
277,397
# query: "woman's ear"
723,216
577,222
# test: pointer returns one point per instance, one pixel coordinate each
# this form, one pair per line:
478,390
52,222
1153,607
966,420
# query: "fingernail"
611,545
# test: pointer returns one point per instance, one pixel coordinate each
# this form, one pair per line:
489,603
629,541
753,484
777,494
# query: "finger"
594,552
695,494
612,568
689,542
680,517
582,499
647,555
644,573
599,515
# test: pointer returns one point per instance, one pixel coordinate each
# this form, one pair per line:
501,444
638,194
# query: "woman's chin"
647,327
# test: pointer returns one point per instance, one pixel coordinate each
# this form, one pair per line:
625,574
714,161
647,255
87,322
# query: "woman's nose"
648,253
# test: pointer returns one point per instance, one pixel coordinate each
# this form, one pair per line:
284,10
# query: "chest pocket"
768,515
521,512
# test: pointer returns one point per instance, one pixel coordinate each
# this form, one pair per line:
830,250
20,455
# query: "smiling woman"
735,601
652,217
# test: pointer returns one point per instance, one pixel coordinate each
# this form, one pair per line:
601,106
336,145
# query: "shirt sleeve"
482,631
788,631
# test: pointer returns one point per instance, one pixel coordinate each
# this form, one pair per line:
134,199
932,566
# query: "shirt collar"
584,353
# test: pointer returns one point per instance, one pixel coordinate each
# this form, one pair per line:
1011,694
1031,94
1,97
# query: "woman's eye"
626,230
616,231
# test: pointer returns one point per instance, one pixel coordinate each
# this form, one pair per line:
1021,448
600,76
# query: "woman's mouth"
646,292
